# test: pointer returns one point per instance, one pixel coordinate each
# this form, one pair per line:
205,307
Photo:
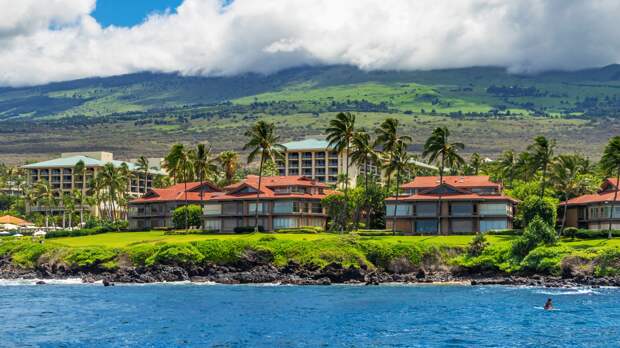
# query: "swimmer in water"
548,305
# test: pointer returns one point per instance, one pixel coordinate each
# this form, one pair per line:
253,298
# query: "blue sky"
129,12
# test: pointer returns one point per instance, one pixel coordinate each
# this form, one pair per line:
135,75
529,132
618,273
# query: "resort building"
154,209
285,202
593,211
59,173
468,204
314,159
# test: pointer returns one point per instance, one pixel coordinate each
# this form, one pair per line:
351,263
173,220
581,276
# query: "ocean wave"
30,282
575,291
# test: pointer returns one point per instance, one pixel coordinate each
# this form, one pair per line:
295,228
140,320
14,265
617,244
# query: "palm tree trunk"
64,218
346,185
366,194
613,204
443,160
396,202
260,178
564,216
202,203
186,207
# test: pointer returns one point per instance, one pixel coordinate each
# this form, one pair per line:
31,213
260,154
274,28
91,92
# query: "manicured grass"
124,239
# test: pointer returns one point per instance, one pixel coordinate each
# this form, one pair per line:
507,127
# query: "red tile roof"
605,194
459,197
9,219
456,181
176,193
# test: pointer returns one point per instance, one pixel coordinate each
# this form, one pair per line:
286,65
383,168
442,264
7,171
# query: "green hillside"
144,113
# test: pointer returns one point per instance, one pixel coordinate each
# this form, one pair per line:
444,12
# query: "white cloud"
54,40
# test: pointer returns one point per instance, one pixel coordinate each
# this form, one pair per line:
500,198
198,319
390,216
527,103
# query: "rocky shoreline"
293,274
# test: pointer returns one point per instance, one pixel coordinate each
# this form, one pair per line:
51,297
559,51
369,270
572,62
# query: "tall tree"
610,163
400,164
541,154
44,194
438,149
363,155
389,140
142,165
204,169
475,162
263,142
79,170
566,177
180,167
229,162
340,135
507,165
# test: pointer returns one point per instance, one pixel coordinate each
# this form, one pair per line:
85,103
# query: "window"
493,209
462,226
213,225
283,207
461,209
252,208
426,226
401,210
279,223
426,209
484,190
489,225
317,208
213,209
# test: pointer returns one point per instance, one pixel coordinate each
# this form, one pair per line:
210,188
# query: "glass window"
462,226
488,225
252,207
317,208
279,223
493,209
213,209
283,207
213,225
461,209
426,226
401,210
426,209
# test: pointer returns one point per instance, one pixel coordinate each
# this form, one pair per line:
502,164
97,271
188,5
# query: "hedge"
301,230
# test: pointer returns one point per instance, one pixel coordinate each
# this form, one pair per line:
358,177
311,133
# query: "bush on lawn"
187,216
301,230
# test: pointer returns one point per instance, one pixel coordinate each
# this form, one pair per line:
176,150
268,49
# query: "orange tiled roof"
606,194
456,181
9,219
175,193
268,184
453,197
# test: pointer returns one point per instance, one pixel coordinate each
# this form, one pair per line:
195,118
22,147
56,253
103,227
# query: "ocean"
69,314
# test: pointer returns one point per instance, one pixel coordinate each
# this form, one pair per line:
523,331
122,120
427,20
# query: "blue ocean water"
170,315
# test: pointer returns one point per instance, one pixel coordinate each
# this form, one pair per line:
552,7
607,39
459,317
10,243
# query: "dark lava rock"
41,282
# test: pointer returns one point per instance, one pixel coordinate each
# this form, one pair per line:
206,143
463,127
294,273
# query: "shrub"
187,216
176,255
545,259
373,233
595,234
301,230
506,232
247,229
533,206
570,232
76,233
89,257
221,251
477,245
184,232
27,254
607,262
536,233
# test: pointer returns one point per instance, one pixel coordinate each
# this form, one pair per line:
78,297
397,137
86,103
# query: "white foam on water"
575,291
29,282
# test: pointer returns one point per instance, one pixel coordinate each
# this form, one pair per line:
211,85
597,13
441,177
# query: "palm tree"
43,193
475,162
142,165
203,167
506,165
262,141
439,150
401,164
340,135
390,141
565,176
610,163
542,154
525,166
180,167
68,205
363,154
229,161
114,182
78,171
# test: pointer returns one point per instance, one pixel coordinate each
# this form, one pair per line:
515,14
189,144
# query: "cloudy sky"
55,40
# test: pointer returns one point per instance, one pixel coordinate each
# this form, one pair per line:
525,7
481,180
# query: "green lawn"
123,239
